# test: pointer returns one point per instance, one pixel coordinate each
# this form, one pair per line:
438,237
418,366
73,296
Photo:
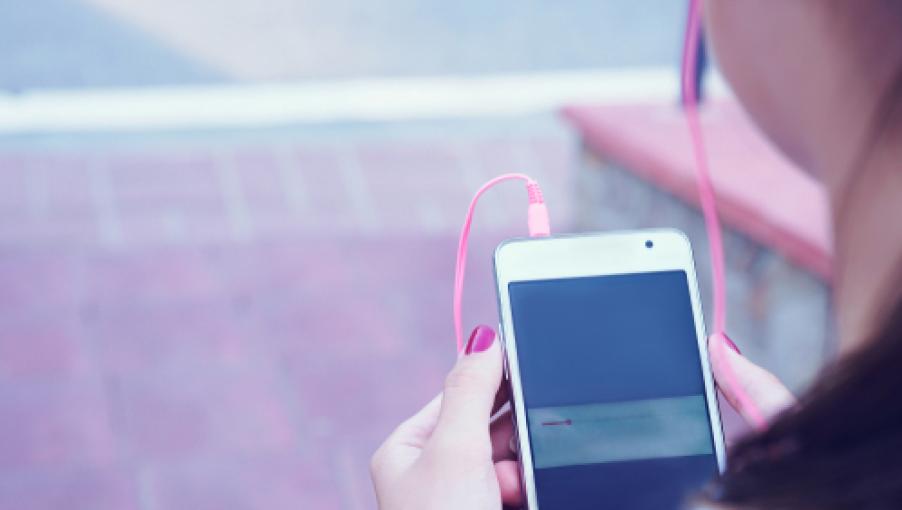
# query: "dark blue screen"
614,391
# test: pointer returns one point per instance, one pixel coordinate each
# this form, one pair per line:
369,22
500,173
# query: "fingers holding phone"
764,391
451,454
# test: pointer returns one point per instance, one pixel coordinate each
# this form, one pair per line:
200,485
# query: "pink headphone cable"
537,221
539,225
712,223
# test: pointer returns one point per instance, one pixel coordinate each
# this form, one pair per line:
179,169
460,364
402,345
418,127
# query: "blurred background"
227,228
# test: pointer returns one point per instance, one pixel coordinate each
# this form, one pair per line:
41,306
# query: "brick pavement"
234,322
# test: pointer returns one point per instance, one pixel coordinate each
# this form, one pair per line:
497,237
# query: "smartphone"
613,400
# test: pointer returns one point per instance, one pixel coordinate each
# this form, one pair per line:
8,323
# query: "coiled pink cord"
712,223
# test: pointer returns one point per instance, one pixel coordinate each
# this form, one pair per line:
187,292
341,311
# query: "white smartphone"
612,394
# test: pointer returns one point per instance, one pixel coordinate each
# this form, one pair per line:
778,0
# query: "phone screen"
614,391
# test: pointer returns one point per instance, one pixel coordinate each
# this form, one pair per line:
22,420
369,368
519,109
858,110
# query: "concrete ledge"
760,193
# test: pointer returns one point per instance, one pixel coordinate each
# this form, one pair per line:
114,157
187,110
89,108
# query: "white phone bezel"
574,256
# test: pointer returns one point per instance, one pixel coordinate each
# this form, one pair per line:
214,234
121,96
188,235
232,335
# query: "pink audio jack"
537,223
712,223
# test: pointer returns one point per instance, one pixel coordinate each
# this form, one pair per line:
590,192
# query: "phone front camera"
649,244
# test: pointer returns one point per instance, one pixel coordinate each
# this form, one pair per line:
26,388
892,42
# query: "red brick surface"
52,488
54,424
233,326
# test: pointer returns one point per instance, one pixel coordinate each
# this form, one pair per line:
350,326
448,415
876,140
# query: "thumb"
756,394
470,390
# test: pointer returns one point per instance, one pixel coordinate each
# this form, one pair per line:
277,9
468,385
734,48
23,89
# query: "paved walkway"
101,43
204,320
235,320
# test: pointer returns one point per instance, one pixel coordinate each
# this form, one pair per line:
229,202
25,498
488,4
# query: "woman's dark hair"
839,448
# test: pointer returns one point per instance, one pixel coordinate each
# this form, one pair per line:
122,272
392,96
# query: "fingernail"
731,344
480,339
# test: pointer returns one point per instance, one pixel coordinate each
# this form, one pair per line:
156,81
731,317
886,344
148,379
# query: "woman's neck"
867,222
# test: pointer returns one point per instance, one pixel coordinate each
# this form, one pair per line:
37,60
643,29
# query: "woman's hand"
765,391
448,455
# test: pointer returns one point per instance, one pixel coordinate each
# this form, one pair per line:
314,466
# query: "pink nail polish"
480,339
727,340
